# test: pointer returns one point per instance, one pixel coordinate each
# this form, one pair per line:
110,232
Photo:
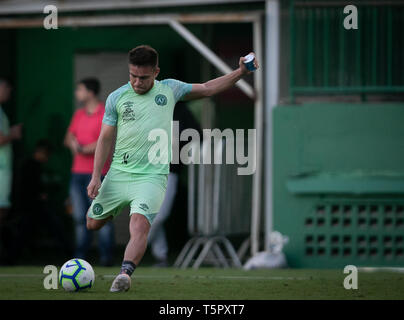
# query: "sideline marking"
32,275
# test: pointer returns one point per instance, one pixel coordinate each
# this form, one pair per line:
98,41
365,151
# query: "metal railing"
219,205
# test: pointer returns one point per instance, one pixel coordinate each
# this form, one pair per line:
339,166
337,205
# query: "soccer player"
135,178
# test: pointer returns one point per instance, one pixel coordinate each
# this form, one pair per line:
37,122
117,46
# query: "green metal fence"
328,59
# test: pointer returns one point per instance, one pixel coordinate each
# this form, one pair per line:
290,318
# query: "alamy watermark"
51,279
51,20
351,20
351,280
215,147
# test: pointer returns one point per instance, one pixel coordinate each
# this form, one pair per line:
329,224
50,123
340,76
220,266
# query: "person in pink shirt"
81,138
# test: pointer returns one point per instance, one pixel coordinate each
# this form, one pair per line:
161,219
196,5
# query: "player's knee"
139,225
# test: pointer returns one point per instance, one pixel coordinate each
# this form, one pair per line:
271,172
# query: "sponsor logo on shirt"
128,114
125,158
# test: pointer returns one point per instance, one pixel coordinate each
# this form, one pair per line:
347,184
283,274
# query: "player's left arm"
217,85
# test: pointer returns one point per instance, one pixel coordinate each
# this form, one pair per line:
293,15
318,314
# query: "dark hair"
7,81
143,55
44,145
91,84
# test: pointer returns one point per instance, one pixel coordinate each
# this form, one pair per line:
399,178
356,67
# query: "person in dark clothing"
33,208
157,236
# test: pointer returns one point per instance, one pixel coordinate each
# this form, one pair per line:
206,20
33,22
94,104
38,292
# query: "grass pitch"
209,284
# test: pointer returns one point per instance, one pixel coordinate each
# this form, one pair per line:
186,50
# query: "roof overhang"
16,7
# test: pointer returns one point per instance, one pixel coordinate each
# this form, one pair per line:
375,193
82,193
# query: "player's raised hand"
243,67
92,189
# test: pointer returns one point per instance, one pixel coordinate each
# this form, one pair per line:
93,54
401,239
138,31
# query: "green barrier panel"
339,184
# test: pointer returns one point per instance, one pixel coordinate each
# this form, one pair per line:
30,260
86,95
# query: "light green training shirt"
5,150
143,121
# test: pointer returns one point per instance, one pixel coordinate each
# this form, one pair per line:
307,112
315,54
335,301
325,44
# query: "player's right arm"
105,143
102,151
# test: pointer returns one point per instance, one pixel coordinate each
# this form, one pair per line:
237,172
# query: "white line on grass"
19,275
381,269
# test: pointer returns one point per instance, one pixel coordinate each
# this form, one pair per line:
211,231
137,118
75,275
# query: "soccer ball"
76,275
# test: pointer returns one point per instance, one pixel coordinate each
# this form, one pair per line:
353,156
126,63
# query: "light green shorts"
144,193
5,188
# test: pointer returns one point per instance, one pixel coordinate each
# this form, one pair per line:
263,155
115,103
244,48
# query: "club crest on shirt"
161,99
128,114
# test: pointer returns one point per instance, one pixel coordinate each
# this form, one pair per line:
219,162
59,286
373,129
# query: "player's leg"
96,224
111,198
147,197
139,227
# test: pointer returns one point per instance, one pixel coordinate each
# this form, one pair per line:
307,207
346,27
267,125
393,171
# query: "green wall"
339,183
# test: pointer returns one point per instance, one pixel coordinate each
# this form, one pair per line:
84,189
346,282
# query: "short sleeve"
111,115
179,88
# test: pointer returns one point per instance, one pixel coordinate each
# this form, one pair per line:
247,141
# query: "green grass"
210,284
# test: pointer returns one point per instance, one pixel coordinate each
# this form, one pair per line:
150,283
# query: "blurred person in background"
7,136
33,209
81,138
157,237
